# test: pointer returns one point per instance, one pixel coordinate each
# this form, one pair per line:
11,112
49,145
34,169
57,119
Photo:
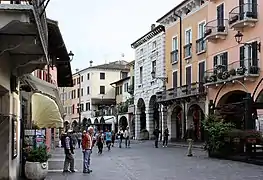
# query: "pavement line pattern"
58,170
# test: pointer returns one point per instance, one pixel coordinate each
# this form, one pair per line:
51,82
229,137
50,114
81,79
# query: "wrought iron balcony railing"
235,70
200,45
174,56
188,50
216,29
244,12
193,89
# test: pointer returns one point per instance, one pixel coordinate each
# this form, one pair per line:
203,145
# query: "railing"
248,10
216,26
246,67
174,56
188,50
200,45
24,2
193,89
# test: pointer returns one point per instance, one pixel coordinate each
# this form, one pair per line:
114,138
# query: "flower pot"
36,170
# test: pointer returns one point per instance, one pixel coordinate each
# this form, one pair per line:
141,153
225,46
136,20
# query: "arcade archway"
176,123
123,122
195,116
96,121
154,115
89,121
230,107
141,111
85,122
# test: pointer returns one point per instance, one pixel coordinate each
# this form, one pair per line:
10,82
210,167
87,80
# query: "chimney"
90,63
152,27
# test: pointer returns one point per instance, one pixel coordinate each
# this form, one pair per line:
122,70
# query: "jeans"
165,140
79,142
100,147
156,142
69,161
86,160
120,142
108,143
127,141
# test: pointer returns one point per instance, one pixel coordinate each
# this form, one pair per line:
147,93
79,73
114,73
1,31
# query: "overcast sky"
101,30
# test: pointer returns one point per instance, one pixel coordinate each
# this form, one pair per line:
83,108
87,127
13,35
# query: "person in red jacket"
87,144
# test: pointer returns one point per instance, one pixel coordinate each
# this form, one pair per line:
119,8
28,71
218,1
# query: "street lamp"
239,37
71,55
79,106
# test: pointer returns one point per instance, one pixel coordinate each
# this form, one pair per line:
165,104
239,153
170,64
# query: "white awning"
45,112
45,88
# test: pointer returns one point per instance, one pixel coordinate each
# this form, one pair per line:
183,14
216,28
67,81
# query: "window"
73,94
117,90
221,63
175,79
188,36
141,76
120,89
74,82
88,90
249,55
201,30
78,80
175,44
69,95
188,75
220,16
124,75
78,93
201,71
201,43
73,109
141,52
81,91
154,45
126,86
87,106
81,78
88,76
102,89
102,75
154,66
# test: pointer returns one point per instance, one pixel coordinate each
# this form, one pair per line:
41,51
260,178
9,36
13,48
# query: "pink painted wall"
230,45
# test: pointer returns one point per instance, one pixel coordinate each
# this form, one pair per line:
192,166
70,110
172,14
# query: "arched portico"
140,121
123,122
176,121
153,113
195,116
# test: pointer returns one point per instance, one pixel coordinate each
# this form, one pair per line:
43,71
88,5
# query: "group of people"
157,133
87,140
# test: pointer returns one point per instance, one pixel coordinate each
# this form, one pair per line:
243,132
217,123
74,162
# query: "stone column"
137,125
169,123
163,118
150,122
184,119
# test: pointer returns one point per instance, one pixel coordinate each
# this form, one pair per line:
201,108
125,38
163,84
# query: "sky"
103,30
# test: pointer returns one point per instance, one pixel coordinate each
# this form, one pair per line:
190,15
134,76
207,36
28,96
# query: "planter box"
36,170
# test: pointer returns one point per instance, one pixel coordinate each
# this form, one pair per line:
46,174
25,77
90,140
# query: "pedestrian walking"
165,137
127,137
156,134
189,136
108,137
87,149
113,137
120,137
69,151
100,142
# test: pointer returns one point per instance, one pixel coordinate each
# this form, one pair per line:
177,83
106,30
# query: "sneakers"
88,171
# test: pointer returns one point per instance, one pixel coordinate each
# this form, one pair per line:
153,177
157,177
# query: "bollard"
190,146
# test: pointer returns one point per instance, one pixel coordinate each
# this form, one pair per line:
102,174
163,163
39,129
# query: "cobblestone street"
143,162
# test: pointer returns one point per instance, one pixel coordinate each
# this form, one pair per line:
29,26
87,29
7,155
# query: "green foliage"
39,154
216,130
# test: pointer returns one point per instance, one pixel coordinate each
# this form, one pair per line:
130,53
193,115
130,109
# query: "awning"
45,112
58,51
45,88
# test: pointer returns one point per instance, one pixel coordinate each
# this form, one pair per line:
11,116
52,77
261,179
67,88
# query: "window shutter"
175,79
201,71
254,8
242,56
188,75
254,53
215,64
224,61
241,9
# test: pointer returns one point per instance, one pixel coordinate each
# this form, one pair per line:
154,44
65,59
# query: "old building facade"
149,60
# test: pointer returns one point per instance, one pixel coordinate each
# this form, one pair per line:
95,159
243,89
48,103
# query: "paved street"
143,162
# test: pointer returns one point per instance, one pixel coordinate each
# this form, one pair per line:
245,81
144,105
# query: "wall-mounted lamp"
71,55
239,38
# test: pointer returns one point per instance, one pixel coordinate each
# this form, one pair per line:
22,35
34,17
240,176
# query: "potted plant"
213,78
241,71
36,167
225,75
219,75
253,70
232,72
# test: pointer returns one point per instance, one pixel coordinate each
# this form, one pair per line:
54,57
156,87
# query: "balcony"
216,30
188,51
186,91
200,45
174,56
243,16
246,69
